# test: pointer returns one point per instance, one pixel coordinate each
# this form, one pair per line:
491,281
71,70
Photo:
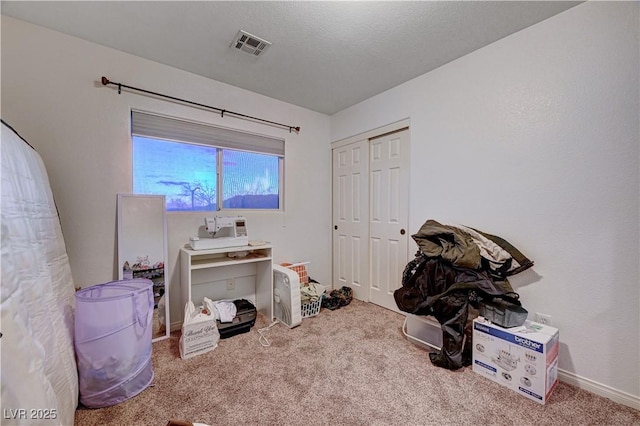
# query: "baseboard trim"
175,326
589,385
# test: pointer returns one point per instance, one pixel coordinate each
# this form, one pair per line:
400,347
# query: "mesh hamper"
113,341
312,308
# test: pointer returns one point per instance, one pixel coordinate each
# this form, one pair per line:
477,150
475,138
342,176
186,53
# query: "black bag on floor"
243,321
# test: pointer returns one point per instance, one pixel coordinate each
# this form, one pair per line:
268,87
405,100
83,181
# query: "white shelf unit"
208,271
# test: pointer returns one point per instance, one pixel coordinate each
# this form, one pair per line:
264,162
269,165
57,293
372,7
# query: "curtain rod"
106,81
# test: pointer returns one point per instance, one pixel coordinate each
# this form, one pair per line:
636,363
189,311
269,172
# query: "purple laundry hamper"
113,341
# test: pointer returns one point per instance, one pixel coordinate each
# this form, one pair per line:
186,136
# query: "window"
200,167
250,180
185,173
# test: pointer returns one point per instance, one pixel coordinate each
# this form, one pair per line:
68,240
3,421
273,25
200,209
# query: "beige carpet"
352,366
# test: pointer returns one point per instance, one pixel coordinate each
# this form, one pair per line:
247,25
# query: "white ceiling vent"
250,44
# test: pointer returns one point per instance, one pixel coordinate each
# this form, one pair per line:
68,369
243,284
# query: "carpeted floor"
352,366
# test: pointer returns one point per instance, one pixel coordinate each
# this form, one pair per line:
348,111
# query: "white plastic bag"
199,331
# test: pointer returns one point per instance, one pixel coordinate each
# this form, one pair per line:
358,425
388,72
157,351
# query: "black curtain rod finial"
105,81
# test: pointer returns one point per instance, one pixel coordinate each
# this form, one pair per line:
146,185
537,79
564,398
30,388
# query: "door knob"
335,227
402,231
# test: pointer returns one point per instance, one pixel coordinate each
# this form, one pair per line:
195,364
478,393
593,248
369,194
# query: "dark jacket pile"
456,267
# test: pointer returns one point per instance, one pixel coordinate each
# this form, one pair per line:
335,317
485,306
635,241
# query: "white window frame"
157,126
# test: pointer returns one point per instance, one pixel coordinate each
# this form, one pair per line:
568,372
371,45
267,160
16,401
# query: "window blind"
160,127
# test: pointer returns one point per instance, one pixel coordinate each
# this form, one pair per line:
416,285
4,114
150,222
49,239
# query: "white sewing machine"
225,231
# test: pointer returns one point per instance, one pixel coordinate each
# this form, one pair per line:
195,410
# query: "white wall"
52,96
535,139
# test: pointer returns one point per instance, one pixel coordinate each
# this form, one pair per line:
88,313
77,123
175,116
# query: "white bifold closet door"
351,218
370,214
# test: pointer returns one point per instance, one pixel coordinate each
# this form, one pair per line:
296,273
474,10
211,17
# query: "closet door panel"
389,204
351,218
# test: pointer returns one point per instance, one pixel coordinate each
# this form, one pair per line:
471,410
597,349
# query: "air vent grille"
250,44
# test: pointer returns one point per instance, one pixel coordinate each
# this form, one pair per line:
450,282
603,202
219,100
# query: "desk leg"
264,289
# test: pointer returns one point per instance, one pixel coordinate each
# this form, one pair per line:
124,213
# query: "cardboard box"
524,359
424,331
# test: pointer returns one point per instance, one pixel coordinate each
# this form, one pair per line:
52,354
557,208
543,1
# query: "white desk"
211,270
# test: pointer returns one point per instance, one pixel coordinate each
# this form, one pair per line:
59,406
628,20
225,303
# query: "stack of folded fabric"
310,292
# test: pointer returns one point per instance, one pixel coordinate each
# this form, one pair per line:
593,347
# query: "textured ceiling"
325,56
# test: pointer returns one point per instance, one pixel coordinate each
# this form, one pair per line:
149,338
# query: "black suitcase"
243,321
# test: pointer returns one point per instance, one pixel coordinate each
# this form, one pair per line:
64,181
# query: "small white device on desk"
225,231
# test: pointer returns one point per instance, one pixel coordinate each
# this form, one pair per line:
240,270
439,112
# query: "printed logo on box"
487,366
528,392
509,337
